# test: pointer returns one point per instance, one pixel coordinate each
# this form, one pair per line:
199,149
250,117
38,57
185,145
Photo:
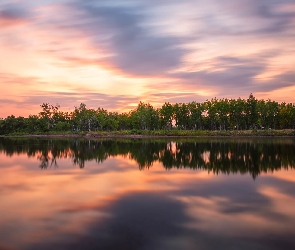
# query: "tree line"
254,156
214,114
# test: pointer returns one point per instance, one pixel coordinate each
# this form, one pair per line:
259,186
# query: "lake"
216,193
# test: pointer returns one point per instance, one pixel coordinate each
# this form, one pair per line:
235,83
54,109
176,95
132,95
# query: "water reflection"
110,204
134,225
253,156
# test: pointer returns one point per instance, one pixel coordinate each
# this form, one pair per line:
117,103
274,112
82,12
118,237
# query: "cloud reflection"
114,205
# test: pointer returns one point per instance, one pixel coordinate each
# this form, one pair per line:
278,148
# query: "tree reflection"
227,156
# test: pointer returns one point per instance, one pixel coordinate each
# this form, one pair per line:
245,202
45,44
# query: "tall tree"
166,115
251,112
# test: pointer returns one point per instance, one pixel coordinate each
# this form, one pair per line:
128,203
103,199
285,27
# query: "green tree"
181,115
212,113
195,115
251,112
49,114
237,113
144,117
166,115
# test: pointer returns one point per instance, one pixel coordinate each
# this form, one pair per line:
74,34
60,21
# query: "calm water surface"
147,194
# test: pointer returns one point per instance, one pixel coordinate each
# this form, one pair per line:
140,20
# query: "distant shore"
163,134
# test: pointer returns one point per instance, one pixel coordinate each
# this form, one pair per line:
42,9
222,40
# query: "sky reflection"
113,205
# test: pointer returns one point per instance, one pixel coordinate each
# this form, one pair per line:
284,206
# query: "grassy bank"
194,133
162,133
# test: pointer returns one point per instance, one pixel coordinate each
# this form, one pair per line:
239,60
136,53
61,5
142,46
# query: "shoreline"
164,134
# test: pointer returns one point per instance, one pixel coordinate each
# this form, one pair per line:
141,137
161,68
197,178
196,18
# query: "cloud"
232,75
125,34
67,102
277,13
11,16
36,91
91,99
178,51
246,18
173,97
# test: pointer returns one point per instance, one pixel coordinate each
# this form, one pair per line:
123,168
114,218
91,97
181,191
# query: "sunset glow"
113,54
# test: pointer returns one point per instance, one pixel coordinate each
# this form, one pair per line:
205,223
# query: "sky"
113,54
